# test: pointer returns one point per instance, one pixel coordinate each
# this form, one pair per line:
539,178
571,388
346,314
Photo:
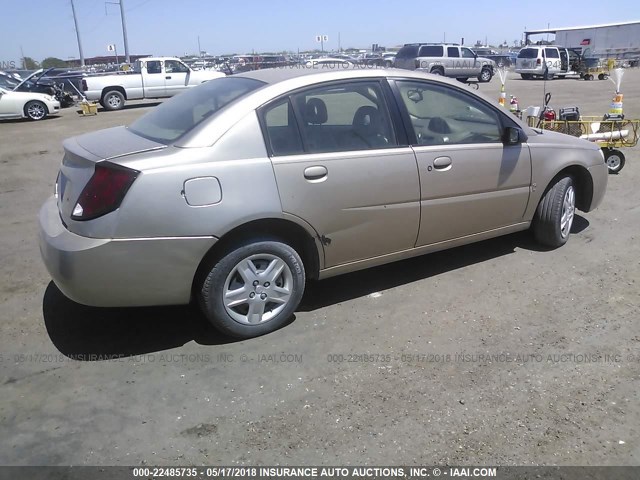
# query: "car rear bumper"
119,272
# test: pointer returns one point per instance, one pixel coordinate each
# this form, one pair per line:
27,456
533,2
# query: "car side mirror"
513,136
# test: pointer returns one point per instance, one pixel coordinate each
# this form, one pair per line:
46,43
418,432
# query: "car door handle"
167,78
442,163
316,173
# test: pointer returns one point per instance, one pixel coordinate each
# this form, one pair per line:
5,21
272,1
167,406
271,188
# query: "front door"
176,76
469,181
340,167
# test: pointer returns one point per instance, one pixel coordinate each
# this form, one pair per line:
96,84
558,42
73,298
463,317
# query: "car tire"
268,278
485,75
113,100
555,213
437,71
526,76
614,160
35,110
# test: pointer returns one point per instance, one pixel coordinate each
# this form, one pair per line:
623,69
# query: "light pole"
124,29
75,20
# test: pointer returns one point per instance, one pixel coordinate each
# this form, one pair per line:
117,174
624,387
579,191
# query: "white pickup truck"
151,77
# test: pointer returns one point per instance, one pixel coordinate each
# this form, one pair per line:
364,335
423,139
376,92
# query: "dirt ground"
498,353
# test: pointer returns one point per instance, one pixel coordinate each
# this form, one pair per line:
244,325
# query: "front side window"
467,53
443,115
178,115
173,66
344,117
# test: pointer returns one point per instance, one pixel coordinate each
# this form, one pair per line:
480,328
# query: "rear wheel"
614,160
113,100
253,289
526,76
437,71
554,216
35,110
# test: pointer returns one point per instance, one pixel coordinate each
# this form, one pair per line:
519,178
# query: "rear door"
469,181
342,167
153,80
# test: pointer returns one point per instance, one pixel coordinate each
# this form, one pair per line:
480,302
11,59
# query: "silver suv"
450,60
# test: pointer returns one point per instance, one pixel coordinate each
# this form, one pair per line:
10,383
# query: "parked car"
34,106
152,77
238,191
39,82
9,81
450,60
543,61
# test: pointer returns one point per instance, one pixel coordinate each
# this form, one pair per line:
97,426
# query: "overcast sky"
43,28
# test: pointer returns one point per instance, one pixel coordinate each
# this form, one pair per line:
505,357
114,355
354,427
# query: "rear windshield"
180,114
528,53
409,51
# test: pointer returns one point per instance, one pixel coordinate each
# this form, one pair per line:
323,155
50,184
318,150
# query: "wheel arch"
285,230
118,88
24,107
583,183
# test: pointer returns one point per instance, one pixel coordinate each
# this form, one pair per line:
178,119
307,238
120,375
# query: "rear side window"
528,53
551,53
346,117
408,51
154,66
453,52
281,130
431,51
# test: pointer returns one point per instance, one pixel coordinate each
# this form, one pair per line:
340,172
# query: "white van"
535,60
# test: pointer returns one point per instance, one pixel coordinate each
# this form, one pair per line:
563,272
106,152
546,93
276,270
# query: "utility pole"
124,28
75,20
124,34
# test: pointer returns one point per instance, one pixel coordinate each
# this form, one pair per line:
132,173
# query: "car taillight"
104,192
84,85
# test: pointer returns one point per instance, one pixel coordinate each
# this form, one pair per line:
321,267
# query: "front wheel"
113,100
485,75
254,289
614,160
554,216
35,110
437,71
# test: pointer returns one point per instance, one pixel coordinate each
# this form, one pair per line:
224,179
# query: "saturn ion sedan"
237,192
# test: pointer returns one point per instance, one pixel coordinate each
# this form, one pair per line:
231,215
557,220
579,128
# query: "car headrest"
367,117
315,112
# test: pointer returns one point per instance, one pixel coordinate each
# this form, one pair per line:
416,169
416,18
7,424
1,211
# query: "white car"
34,106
